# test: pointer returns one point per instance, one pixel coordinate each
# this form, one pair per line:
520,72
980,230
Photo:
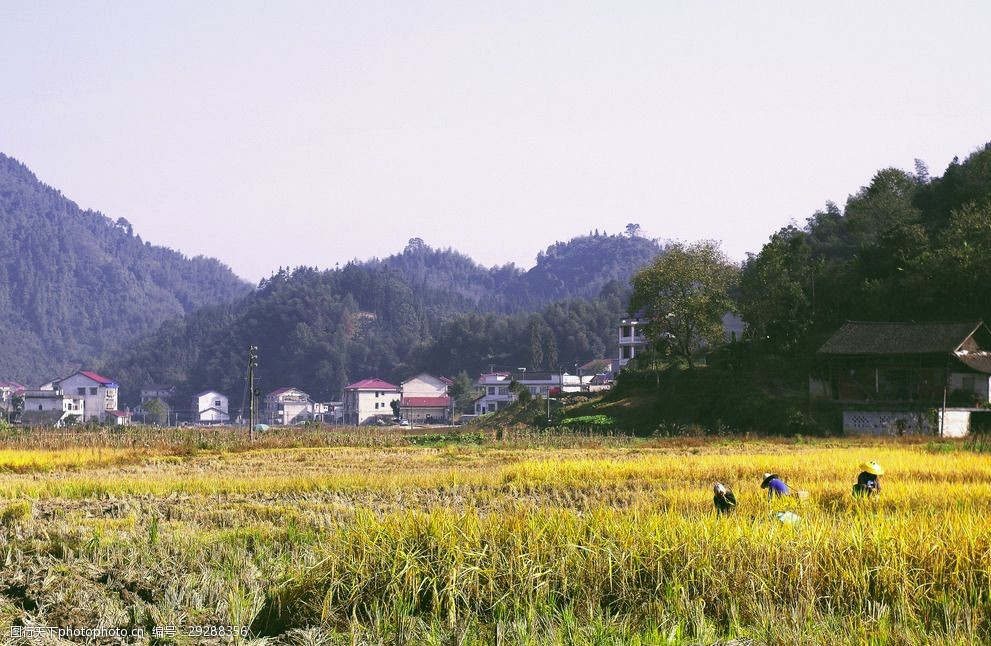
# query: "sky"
271,134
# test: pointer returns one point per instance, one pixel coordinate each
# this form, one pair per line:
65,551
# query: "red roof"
371,384
426,402
97,378
447,380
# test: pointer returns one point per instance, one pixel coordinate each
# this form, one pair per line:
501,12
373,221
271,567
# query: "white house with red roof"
98,393
287,406
369,400
425,399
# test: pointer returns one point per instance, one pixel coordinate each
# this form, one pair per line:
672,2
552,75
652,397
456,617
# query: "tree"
463,391
395,408
683,296
776,288
155,411
632,230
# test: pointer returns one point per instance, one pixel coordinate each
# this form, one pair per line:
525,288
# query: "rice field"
567,540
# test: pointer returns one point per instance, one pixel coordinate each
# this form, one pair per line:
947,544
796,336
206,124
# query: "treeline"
905,247
74,284
424,309
579,268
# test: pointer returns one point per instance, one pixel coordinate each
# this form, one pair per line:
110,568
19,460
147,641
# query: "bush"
589,421
14,512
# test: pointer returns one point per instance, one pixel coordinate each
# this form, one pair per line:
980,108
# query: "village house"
905,377
8,391
51,408
632,341
496,394
99,394
328,412
210,407
287,406
425,399
369,400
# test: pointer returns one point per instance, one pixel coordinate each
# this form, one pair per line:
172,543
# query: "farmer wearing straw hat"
724,500
869,480
775,486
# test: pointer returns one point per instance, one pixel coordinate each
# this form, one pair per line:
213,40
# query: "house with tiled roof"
369,400
288,406
425,399
99,394
890,376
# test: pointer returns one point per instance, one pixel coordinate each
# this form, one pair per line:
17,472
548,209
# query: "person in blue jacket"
775,486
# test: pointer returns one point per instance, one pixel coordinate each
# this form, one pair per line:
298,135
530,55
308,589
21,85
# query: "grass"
530,540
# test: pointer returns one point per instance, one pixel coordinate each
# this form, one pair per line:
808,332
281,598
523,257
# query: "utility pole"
252,364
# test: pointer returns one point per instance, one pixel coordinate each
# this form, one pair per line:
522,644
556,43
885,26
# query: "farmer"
724,500
775,486
869,480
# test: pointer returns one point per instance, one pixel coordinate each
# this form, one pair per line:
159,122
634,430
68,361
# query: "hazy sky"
273,134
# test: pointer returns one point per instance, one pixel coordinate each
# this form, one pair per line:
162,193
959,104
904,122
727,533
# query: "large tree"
683,296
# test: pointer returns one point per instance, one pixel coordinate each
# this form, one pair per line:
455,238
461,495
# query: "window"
92,391
627,331
216,403
376,405
80,391
492,390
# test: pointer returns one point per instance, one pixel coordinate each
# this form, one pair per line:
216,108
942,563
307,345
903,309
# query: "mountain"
421,309
74,284
578,268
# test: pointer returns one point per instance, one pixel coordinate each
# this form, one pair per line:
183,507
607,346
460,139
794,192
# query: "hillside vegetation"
75,284
319,330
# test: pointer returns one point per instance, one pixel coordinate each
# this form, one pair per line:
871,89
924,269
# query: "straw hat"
767,478
872,467
719,488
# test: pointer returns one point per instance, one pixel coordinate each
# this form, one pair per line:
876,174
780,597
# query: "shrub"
14,512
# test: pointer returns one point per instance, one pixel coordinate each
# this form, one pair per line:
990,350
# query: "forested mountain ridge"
578,268
423,309
75,284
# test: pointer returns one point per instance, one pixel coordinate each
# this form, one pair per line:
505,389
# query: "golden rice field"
577,542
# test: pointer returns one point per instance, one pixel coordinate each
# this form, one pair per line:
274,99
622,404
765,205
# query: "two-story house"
98,393
287,406
495,387
369,400
210,407
425,399
51,408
